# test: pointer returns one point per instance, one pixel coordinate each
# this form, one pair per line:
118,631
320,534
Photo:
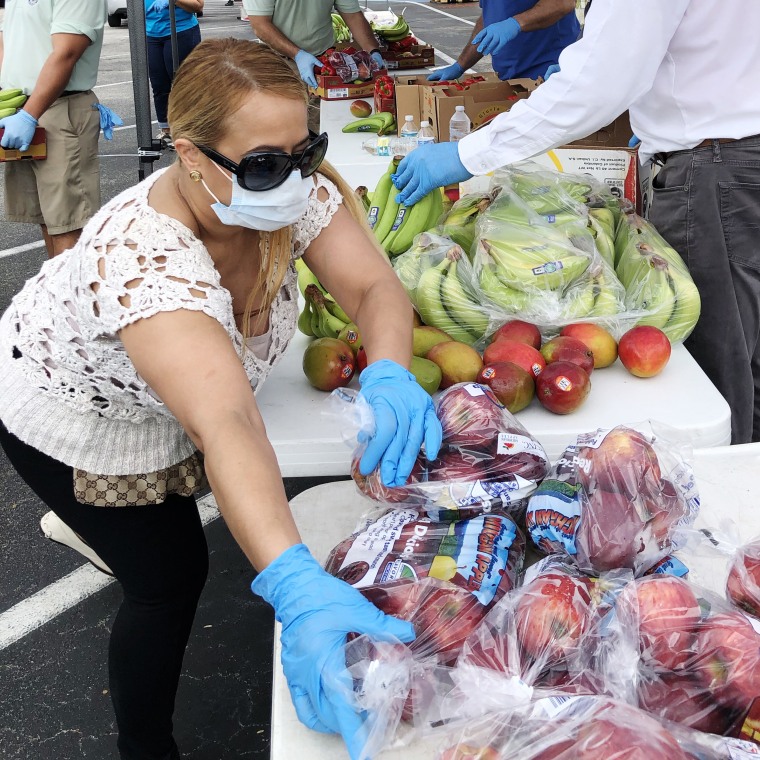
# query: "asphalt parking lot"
55,611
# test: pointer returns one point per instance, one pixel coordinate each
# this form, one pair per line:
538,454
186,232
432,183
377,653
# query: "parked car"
117,12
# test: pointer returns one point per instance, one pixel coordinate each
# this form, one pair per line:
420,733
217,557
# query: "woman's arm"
191,6
189,361
359,277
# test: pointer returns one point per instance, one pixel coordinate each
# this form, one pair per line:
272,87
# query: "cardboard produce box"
437,103
417,56
37,150
331,87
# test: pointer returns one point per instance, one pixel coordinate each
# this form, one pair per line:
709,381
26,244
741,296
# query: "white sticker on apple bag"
739,749
511,443
474,389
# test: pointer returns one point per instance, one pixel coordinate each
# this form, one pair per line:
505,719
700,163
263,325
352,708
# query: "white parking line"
21,248
36,610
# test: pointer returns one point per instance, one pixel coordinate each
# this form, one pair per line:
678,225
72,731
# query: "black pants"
707,206
160,66
159,556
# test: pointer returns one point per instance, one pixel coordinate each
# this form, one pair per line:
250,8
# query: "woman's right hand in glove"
317,611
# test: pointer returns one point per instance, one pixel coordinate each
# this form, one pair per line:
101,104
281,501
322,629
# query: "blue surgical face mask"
267,210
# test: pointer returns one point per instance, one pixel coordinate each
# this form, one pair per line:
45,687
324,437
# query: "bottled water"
408,139
425,136
459,126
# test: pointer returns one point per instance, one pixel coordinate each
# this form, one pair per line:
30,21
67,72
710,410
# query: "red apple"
743,585
563,348
681,698
551,616
517,330
644,351
471,415
624,462
669,614
562,387
521,354
728,659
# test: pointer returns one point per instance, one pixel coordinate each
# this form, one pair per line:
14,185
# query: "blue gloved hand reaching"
306,63
404,419
317,611
495,37
454,71
426,168
159,6
19,131
108,120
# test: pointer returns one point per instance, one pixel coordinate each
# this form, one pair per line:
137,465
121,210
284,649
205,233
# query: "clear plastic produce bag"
616,498
487,459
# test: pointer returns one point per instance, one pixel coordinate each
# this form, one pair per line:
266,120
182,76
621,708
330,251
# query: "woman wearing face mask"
129,363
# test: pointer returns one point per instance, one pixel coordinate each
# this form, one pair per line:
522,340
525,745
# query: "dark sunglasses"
266,170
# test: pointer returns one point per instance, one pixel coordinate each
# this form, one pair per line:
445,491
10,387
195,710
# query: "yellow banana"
335,309
578,302
604,243
608,296
378,123
4,112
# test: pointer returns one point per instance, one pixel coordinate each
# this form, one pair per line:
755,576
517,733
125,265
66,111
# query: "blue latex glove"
553,69
496,36
108,120
306,63
378,59
633,142
404,418
426,168
449,72
19,131
159,6
317,611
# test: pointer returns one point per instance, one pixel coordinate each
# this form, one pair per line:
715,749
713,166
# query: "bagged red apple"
566,728
619,498
443,577
488,460
743,584
699,661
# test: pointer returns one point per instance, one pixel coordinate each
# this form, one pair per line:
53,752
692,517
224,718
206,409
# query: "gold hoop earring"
195,175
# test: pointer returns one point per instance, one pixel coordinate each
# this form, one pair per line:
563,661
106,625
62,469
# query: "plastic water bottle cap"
459,108
425,123
410,117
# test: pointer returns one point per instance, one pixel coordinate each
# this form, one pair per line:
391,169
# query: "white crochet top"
67,385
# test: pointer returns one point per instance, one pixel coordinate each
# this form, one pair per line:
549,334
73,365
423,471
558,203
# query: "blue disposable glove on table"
495,37
404,419
378,59
426,168
454,71
108,120
19,130
306,63
159,6
317,611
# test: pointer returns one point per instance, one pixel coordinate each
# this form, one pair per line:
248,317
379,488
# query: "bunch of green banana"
656,280
443,302
325,318
458,223
394,32
601,223
362,193
609,293
341,32
11,101
381,123
395,226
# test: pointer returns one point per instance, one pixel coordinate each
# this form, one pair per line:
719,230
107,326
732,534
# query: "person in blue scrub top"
160,64
523,37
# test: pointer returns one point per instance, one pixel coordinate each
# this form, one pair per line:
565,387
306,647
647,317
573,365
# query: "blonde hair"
211,85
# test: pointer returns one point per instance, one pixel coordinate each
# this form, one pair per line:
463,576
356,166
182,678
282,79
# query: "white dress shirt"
687,70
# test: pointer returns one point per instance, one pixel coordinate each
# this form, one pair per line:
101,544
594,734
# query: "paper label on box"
337,92
390,65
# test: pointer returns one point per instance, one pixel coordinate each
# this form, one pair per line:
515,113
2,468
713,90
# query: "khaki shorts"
62,191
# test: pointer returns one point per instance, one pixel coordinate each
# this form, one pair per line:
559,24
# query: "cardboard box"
417,56
37,149
385,104
482,101
334,88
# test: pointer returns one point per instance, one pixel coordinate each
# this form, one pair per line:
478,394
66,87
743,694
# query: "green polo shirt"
305,23
26,29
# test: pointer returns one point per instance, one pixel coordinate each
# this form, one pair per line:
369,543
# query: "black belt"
67,93
661,158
